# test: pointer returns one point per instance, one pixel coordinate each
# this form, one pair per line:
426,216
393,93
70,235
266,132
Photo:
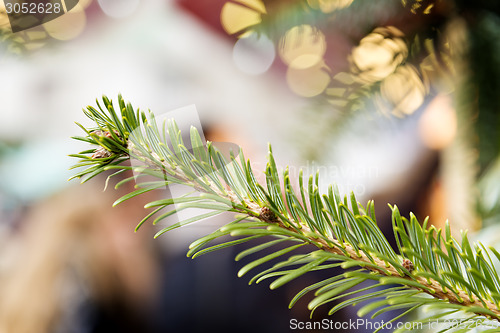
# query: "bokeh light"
302,47
254,54
35,38
404,90
328,6
379,54
236,17
4,19
67,26
438,124
310,81
118,8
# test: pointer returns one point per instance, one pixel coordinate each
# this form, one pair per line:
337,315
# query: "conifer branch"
433,269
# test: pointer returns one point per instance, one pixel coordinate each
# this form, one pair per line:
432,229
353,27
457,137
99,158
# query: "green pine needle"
432,269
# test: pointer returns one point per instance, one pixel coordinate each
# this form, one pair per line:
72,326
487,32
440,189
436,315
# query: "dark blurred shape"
76,266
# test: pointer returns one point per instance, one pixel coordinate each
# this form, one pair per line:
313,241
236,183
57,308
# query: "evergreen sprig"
429,269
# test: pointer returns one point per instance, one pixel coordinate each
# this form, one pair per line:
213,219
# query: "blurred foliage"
489,205
389,37
402,54
485,80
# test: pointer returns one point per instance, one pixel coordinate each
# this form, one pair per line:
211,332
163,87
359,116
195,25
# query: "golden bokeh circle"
404,89
302,47
308,82
238,16
378,54
67,26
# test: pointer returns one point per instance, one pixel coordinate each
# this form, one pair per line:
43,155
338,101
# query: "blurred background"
395,100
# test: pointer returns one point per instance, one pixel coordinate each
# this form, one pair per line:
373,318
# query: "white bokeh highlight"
254,54
118,8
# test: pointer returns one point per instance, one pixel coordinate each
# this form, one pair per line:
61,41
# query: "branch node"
408,265
268,215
